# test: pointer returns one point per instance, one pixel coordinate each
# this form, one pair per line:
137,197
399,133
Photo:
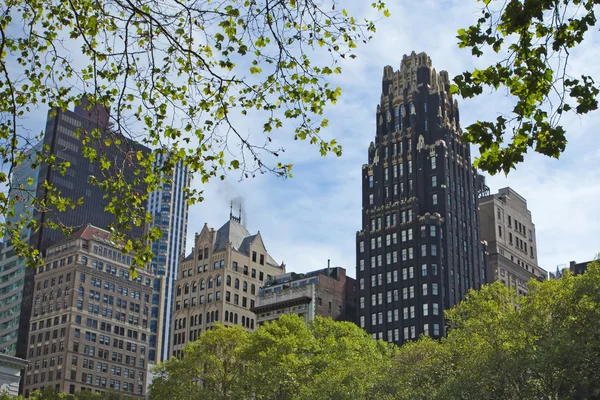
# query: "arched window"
219,280
178,290
45,297
212,316
210,283
252,324
184,322
243,320
252,289
245,286
59,292
226,316
235,318
237,283
217,315
81,293
228,280
208,317
199,319
202,284
67,291
51,295
187,289
194,287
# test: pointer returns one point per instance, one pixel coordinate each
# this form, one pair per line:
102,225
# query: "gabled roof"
232,232
88,232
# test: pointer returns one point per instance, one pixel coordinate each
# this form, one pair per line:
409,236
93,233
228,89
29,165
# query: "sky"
313,217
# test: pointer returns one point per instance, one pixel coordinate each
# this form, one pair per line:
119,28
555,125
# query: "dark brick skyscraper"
418,252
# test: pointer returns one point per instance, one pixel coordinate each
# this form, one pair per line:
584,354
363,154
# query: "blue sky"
315,215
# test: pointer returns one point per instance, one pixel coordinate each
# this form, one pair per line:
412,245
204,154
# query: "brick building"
326,292
89,324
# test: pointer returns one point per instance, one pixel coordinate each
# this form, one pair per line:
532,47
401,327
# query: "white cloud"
315,216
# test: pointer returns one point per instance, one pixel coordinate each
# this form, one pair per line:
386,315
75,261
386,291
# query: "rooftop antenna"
232,217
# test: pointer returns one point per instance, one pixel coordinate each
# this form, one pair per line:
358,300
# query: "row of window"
409,333
209,299
212,283
392,295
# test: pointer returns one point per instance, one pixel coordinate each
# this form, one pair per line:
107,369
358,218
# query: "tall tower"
63,139
12,268
170,211
418,252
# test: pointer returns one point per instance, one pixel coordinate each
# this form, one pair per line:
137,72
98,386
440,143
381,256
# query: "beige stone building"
508,228
89,323
219,281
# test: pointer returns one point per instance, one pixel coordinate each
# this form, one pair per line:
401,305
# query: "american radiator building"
418,251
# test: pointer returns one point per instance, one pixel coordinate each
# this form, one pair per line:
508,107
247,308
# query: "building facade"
578,268
90,320
12,268
10,374
508,229
219,281
170,211
327,292
63,137
418,251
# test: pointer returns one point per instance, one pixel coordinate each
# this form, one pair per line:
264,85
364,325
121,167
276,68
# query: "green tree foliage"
285,359
179,76
50,394
541,346
532,40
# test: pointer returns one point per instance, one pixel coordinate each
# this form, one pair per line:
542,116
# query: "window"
434,199
424,291
434,289
434,181
361,246
424,270
499,231
432,231
371,181
436,310
433,162
425,310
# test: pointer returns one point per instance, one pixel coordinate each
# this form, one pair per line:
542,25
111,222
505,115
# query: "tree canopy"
544,345
531,41
180,78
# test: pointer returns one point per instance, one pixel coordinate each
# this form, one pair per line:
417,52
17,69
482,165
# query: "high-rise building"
169,209
63,137
578,268
12,268
418,252
326,292
219,280
90,319
509,231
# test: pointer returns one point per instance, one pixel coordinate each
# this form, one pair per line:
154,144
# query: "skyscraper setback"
418,252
